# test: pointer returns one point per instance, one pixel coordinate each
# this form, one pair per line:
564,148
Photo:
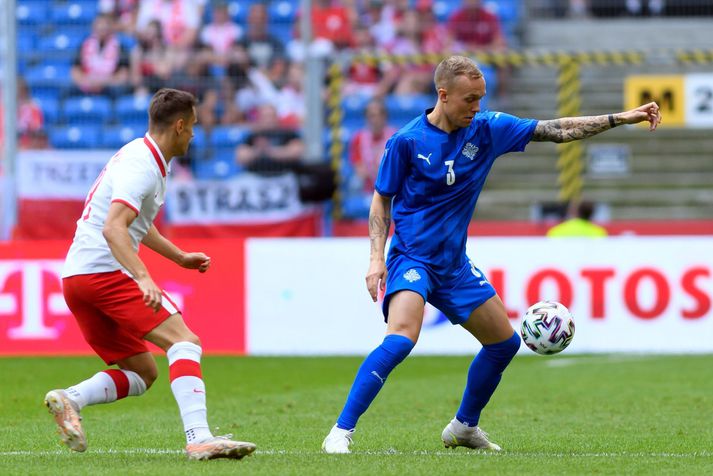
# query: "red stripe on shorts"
121,381
184,368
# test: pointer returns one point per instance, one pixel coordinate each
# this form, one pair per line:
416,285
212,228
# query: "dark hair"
585,210
167,104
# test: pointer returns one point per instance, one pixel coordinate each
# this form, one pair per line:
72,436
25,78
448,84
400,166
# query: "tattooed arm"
379,224
568,129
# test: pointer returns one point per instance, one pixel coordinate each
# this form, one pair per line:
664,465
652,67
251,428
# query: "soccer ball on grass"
547,328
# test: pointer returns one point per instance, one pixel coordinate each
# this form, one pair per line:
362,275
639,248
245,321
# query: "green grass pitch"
578,415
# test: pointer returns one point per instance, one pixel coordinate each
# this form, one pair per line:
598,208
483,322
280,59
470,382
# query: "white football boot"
66,415
457,434
337,441
219,447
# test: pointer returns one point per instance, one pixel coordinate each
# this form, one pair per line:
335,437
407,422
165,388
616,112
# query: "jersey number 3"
450,174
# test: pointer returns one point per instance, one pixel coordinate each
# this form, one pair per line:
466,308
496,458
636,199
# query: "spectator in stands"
151,61
270,148
30,120
123,13
580,225
235,86
366,146
333,22
260,86
220,34
258,42
413,78
180,20
290,102
363,78
436,37
101,65
477,29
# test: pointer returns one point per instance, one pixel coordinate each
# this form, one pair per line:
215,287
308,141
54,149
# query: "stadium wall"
307,296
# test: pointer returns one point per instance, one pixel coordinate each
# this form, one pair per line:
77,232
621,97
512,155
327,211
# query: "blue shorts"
456,294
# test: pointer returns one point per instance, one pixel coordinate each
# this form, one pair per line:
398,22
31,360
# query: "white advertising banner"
627,294
59,174
247,198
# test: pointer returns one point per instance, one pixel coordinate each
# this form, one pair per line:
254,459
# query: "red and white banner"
34,318
247,198
629,294
52,186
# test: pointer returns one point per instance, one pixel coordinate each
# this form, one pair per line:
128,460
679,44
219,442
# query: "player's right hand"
376,278
152,293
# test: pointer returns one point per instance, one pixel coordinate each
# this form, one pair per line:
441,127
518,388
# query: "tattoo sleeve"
378,233
568,129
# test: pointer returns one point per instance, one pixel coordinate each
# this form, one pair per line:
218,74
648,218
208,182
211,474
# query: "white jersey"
136,177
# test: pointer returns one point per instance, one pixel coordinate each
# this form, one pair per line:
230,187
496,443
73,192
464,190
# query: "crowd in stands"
92,65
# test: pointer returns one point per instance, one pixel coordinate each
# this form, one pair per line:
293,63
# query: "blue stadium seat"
50,107
115,137
63,41
238,10
86,109
75,137
355,103
443,9
402,108
283,11
31,13
74,12
200,139
227,136
216,168
52,76
132,109
282,31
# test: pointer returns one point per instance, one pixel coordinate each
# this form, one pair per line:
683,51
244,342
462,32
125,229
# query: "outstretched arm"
568,129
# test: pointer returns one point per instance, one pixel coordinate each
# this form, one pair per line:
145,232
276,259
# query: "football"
547,328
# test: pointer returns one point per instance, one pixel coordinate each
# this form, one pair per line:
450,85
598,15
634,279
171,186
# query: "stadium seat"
88,109
115,137
283,11
50,108
238,10
63,41
355,104
31,13
131,109
216,168
443,9
50,78
200,139
227,136
74,137
282,31
73,12
402,108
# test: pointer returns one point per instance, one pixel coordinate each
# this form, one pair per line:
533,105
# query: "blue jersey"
435,179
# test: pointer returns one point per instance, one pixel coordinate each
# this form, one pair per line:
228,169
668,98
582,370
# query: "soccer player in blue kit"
429,180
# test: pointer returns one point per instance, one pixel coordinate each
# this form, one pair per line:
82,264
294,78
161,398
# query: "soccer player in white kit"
115,301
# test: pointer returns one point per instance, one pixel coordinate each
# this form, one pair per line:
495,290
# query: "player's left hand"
648,112
199,261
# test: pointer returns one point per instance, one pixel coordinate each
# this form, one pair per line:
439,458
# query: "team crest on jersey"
412,275
470,150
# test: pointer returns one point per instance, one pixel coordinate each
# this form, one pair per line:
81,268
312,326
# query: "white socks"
107,386
188,388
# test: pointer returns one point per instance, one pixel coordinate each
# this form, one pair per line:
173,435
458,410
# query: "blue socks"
484,376
371,377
